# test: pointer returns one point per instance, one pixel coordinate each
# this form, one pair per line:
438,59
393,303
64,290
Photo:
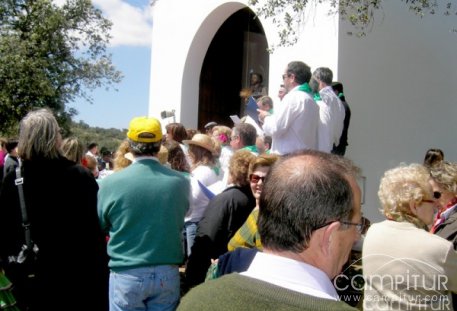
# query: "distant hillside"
105,138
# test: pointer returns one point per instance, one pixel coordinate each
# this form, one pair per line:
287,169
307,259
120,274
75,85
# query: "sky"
130,47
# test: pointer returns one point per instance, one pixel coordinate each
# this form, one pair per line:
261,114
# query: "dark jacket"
448,230
224,215
61,200
10,164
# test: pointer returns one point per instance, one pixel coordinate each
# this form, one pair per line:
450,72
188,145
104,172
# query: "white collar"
291,274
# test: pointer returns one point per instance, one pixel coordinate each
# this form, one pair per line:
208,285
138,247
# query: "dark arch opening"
238,49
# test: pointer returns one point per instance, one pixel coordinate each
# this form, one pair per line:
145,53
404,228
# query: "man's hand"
263,114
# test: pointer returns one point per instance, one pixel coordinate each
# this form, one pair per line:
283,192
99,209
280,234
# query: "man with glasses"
293,125
309,218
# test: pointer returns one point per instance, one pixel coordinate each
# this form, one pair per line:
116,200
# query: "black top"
61,200
224,215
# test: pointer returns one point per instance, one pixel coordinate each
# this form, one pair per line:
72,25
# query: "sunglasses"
436,196
254,178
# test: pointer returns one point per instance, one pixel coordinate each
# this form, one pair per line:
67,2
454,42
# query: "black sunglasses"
256,178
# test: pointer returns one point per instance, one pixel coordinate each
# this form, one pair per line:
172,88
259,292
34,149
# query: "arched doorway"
238,48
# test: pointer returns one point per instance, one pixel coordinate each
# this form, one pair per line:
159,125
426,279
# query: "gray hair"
246,132
301,71
324,74
39,135
144,149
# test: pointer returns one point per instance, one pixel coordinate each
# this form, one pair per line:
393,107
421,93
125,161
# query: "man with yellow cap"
142,209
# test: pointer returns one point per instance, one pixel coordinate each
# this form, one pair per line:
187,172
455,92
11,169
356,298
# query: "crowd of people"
228,219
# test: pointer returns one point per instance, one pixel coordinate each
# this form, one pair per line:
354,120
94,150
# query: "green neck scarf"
305,88
252,148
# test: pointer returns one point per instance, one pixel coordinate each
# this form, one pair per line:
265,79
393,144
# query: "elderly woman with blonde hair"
404,266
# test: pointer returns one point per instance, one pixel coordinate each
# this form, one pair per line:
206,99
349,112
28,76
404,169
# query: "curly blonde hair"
120,161
239,167
445,174
399,187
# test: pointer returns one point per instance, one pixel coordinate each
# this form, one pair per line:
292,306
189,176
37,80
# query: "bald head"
303,192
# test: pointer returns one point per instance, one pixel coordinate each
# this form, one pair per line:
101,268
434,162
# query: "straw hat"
203,141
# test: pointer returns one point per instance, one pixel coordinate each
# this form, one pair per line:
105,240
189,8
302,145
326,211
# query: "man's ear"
413,207
328,236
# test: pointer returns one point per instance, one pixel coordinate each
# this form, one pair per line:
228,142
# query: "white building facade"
400,81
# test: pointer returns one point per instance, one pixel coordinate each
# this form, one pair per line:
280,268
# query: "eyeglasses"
436,194
285,75
254,178
233,137
360,227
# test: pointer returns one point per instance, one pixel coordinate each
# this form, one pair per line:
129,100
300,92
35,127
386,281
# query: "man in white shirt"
293,125
331,110
309,218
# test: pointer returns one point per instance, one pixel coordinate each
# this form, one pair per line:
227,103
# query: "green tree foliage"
49,55
289,15
107,138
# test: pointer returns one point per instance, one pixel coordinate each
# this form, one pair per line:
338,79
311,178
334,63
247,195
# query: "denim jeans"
145,288
190,229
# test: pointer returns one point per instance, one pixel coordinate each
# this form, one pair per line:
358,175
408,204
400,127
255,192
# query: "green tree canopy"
49,55
289,15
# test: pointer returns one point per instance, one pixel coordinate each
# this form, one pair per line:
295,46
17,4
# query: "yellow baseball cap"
145,130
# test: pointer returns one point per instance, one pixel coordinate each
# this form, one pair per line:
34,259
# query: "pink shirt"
2,157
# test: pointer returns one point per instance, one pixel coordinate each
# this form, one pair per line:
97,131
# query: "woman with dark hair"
433,156
178,133
61,203
176,157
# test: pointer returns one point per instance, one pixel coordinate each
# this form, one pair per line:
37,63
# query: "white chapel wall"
401,84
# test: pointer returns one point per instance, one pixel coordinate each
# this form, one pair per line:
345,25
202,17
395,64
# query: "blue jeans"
145,288
190,229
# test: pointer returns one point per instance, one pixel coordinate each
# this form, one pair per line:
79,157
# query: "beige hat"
202,140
